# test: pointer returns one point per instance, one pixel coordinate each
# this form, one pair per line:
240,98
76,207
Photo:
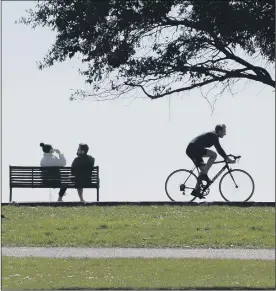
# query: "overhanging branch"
262,75
176,90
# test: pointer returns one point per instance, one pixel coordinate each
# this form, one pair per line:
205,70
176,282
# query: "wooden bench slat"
46,174
15,168
52,186
48,178
48,183
42,172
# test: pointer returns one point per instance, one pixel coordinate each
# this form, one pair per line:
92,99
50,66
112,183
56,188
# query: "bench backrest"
47,177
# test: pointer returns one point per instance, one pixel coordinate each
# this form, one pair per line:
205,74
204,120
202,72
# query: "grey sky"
135,143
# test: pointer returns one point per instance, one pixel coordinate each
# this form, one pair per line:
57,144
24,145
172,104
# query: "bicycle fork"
233,179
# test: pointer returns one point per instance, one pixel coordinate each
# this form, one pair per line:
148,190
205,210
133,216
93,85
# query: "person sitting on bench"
50,160
82,167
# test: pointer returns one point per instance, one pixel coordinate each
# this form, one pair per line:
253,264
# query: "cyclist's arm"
220,149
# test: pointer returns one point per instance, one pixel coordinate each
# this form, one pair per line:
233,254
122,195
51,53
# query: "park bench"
49,177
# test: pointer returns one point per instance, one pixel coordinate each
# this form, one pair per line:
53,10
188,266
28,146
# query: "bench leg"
10,194
98,195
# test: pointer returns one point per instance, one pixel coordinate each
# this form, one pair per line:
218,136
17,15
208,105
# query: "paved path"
246,254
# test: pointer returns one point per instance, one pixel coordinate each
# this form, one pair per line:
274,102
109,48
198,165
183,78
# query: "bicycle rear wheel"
180,184
236,186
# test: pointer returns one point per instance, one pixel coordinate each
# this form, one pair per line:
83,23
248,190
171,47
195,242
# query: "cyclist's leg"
200,164
195,154
212,157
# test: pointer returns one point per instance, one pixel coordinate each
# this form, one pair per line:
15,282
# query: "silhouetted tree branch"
159,47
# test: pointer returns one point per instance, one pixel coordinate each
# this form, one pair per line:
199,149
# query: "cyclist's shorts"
196,154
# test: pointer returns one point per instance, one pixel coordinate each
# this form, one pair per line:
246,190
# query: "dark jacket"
207,140
82,166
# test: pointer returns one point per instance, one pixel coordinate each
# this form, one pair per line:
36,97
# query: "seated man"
197,149
82,168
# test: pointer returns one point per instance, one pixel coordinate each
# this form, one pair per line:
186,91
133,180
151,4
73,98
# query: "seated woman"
50,160
82,167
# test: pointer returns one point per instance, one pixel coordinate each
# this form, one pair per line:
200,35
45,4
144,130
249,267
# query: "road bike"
235,185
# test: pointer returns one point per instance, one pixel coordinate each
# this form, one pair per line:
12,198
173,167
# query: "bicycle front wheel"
236,186
180,184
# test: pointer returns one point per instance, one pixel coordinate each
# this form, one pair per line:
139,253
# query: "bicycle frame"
226,166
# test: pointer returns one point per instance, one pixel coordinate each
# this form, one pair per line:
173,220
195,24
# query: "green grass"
44,273
139,226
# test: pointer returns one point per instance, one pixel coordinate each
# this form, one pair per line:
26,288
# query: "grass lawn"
139,226
44,273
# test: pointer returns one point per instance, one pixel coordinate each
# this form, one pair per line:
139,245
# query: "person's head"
83,149
47,148
220,130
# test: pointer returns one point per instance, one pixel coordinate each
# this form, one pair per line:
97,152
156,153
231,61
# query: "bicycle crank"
204,189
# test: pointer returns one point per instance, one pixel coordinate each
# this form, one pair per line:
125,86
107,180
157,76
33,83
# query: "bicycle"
187,185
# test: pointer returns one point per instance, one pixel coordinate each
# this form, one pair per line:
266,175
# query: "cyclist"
197,149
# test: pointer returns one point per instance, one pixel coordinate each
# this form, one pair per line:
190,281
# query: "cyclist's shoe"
196,193
205,178
182,187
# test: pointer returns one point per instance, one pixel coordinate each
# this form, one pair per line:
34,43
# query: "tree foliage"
161,47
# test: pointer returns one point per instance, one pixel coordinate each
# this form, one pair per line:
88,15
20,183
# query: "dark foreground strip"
147,203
